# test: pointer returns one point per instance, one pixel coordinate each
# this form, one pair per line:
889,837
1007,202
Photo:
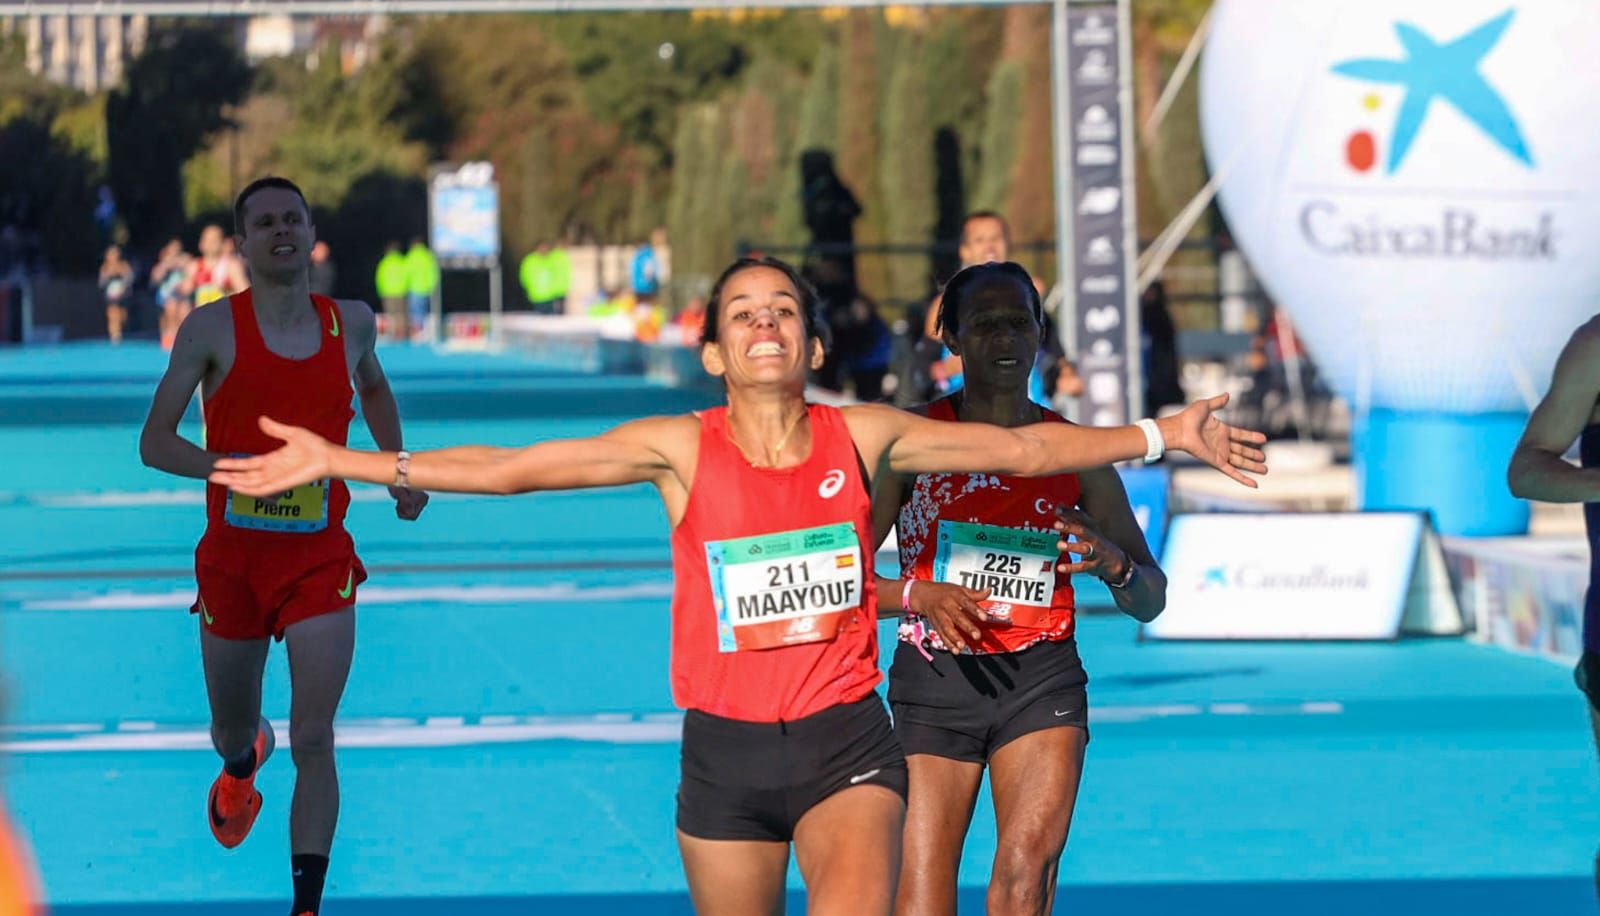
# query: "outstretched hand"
303,457
1230,449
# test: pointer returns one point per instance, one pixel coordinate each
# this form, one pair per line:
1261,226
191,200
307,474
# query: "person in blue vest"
646,273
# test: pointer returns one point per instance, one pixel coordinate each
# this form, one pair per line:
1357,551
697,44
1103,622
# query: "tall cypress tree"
906,168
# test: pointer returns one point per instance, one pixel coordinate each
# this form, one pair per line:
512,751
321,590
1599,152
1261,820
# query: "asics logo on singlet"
831,484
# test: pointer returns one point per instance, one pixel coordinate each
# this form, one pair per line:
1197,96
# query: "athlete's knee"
311,741
231,739
1020,883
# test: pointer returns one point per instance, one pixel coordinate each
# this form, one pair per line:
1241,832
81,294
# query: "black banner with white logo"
1100,201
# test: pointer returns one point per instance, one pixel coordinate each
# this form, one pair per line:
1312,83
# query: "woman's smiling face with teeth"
762,330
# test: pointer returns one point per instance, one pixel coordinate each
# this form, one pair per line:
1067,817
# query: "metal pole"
1061,165
1130,211
495,306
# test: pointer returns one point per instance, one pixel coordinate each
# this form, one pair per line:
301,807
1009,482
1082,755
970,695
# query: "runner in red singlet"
987,672
277,565
216,273
774,648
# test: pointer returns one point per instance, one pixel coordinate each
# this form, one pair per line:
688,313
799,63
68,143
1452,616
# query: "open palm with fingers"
303,457
1232,450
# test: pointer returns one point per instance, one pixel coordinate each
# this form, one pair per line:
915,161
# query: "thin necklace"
776,450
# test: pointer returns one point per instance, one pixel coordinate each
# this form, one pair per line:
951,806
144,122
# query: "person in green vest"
422,278
546,275
391,282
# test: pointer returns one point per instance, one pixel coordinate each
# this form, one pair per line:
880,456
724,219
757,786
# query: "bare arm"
634,452
160,446
377,401
1537,469
1105,507
915,445
372,386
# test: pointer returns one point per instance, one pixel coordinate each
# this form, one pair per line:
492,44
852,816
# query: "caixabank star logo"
1432,72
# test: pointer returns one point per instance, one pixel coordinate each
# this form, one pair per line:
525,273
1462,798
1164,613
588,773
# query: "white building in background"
353,38
89,53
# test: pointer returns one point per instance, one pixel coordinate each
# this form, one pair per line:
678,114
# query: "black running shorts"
966,707
755,780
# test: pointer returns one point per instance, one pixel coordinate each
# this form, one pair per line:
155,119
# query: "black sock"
243,766
309,872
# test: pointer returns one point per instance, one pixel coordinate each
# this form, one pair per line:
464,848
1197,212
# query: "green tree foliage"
857,161
174,98
907,168
997,145
1029,206
50,164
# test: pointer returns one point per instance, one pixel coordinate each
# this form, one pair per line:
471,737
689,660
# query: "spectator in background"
167,278
561,278
646,271
866,357
218,272
534,276
422,278
1159,336
691,321
323,274
391,283
116,283
546,275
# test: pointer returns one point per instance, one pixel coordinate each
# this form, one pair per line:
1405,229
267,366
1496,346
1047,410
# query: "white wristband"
402,469
1154,445
905,596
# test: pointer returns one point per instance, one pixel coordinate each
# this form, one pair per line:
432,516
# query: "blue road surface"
509,744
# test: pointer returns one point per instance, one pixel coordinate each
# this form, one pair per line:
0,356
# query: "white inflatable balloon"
1416,182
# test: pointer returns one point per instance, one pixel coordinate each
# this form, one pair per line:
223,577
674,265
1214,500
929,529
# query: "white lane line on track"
466,731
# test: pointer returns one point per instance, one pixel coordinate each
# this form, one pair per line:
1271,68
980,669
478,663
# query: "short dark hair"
1005,227
968,279
261,184
808,295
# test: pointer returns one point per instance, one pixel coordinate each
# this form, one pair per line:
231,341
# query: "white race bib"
786,588
1017,565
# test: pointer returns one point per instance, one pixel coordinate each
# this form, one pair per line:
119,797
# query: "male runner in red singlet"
277,565
987,673
1571,411
774,642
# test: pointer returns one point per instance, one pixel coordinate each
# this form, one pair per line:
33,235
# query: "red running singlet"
773,608
315,393
990,531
